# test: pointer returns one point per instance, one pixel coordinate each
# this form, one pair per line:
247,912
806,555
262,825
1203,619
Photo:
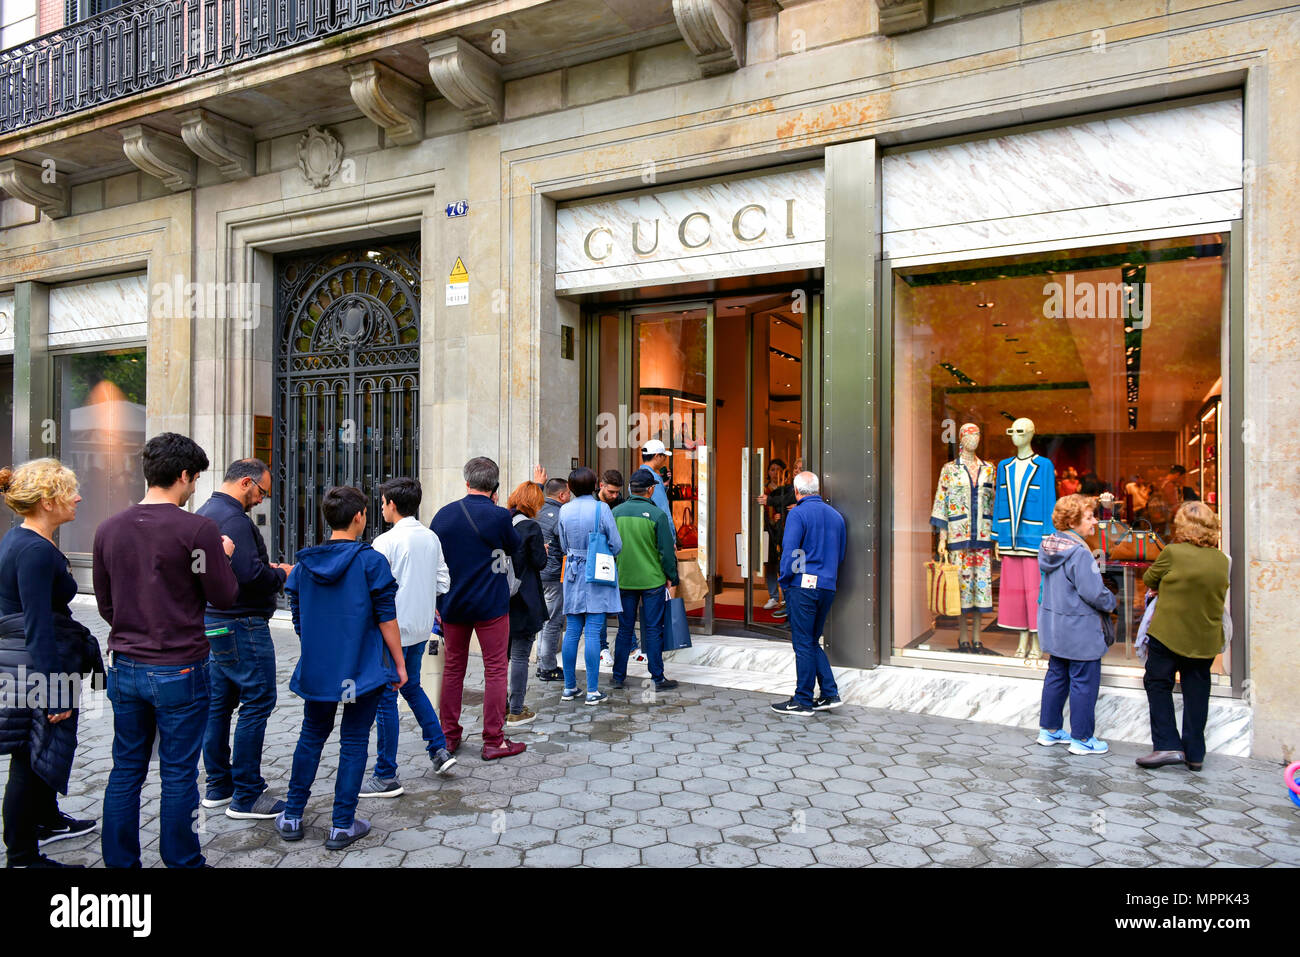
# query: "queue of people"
188,597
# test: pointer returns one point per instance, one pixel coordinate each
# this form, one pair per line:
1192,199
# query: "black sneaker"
550,674
780,612
442,761
666,685
289,828
66,827
616,685
792,707
827,703
265,808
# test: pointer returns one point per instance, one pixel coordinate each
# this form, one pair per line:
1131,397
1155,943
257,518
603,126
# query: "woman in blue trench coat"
585,603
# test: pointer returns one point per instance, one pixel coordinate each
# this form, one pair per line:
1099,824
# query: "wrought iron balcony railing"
144,44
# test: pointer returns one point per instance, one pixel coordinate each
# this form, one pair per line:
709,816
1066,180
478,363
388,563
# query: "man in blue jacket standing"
241,669
343,599
812,550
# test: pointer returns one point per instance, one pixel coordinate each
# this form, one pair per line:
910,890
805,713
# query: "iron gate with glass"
347,359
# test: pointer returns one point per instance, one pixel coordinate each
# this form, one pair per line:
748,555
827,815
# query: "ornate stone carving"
899,16
468,78
227,145
26,182
161,155
394,102
715,32
320,155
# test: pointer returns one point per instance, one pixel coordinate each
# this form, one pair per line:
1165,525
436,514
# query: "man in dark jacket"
241,670
155,568
343,599
556,491
480,541
811,553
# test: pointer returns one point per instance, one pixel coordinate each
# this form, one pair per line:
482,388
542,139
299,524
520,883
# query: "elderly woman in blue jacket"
1074,606
585,603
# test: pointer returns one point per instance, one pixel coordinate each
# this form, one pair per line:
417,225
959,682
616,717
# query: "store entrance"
725,385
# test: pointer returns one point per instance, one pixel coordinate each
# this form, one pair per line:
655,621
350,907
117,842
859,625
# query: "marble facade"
816,76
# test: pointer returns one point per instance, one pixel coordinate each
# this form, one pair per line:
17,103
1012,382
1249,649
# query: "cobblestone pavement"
709,776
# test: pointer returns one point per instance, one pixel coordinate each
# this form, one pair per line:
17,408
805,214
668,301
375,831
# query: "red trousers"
494,640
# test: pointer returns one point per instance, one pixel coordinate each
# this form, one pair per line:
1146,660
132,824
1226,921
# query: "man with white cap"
654,456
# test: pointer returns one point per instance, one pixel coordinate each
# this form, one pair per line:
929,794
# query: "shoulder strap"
474,524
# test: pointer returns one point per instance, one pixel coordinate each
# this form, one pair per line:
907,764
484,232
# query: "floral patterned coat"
961,505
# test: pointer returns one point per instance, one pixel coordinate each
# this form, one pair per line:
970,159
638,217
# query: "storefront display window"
1018,380
101,417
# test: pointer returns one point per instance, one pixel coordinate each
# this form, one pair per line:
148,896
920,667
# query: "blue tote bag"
677,628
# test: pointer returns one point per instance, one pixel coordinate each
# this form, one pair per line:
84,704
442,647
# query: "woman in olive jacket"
1190,578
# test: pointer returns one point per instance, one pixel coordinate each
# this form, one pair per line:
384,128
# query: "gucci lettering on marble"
746,224
749,224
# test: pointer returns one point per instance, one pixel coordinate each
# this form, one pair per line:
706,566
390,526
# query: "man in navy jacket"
241,669
479,540
812,550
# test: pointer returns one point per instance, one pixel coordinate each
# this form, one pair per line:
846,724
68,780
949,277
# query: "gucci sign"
744,224
749,224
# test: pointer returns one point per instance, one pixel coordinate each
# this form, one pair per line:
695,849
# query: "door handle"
745,509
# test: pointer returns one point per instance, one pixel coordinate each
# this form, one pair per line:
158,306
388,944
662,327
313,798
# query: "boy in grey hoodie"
1072,601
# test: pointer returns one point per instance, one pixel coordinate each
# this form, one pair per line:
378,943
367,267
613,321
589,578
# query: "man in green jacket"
647,562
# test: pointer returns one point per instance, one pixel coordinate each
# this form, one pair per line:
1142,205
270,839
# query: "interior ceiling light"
998,325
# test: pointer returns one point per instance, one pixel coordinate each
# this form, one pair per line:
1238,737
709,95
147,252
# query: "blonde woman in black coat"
35,584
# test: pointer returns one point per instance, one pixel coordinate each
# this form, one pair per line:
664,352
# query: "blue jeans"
354,745
241,672
808,609
590,626
1080,681
170,701
653,606
386,720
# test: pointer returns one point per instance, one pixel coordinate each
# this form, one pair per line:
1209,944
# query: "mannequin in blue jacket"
1022,515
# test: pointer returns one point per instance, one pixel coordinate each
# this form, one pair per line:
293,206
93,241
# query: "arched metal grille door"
347,382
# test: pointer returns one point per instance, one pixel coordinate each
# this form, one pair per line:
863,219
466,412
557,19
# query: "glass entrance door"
724,385
760,374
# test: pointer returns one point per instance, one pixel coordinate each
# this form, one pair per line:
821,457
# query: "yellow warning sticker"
458,272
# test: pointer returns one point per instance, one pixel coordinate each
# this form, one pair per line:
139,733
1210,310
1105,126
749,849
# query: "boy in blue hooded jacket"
343,599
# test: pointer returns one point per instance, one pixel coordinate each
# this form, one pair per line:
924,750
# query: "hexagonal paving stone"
583,836
527,837
956,855
553,855
670,855
900,855
694,835
785,855
911,834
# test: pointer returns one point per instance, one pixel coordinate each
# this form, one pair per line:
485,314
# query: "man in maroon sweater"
155,568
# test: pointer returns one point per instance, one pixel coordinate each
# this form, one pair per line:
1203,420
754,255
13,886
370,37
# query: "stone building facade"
215,249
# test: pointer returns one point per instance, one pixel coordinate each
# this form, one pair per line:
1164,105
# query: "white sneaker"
606,658
771,603
637,655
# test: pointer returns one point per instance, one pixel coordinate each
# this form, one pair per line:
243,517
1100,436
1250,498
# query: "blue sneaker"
289,828
596,697
1049,738
1093,745
341,837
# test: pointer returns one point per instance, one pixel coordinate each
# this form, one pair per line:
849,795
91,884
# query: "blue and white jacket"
1022,516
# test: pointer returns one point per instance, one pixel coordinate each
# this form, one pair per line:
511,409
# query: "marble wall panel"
1166,168
102,311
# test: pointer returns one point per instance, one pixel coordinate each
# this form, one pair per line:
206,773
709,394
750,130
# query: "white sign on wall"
746,224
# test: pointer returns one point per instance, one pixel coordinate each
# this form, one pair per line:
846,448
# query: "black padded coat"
52,746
